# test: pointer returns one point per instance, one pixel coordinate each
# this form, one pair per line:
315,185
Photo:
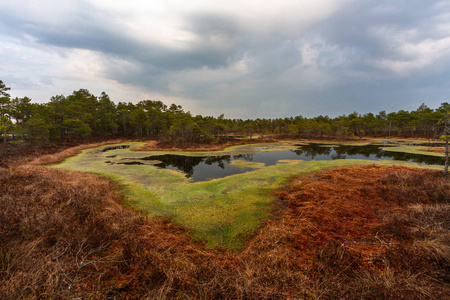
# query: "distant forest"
83,116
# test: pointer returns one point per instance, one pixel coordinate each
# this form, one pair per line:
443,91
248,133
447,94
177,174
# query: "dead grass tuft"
379,232
21,154
435,150
57,157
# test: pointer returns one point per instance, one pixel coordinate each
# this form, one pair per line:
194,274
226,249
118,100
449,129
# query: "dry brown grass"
435,150
22,154
66,153
357,232
384,231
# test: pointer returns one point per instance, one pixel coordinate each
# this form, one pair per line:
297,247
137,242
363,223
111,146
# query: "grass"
353,232
223,212
247,164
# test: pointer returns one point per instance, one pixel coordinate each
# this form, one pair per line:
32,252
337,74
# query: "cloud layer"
246,59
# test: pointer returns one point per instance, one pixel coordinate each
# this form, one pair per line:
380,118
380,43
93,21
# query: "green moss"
247,164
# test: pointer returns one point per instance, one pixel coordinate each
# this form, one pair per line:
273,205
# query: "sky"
246,59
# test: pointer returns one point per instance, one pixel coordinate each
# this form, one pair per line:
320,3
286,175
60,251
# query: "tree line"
82,115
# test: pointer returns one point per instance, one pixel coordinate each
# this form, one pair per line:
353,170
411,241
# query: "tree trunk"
446,156
446,136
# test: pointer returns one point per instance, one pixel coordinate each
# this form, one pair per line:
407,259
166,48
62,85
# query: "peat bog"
356,232
225,211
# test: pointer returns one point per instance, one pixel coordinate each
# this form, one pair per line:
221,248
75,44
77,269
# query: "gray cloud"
364,56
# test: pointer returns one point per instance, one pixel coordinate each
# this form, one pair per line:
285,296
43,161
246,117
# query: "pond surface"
200,168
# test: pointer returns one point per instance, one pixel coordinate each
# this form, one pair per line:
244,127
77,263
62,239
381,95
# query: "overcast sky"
247,59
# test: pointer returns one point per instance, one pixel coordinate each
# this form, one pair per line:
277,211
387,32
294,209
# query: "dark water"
202,168
207,168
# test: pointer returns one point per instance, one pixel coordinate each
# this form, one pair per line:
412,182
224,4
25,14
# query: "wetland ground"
355,231
223,211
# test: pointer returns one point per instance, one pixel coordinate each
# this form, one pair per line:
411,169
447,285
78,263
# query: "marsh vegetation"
365,231
227,210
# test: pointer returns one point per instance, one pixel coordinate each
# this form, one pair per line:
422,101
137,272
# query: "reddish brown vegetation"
23,154
219,145
66,153
435,150
350,206
358,232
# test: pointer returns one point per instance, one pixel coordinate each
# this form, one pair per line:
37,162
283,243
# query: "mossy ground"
223,212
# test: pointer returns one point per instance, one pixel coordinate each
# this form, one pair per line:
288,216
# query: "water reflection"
370,152
210,167
201,168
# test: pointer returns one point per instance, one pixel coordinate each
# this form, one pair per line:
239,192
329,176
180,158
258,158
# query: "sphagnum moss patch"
223,212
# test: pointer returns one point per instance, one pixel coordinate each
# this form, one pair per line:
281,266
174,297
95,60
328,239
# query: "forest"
83,116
